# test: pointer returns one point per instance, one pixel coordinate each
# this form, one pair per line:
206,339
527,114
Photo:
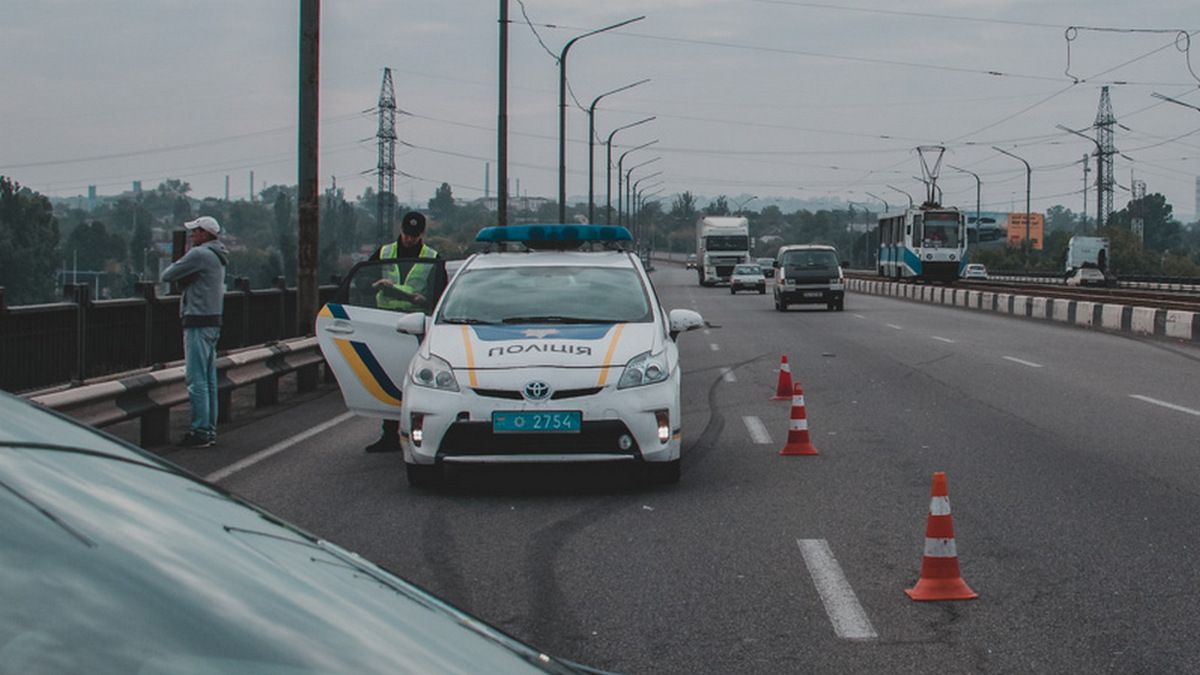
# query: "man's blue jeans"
200,356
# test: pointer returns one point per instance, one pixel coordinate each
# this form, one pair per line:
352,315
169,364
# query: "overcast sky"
766,98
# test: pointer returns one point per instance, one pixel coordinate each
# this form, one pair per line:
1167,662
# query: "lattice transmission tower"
1105,183
386,166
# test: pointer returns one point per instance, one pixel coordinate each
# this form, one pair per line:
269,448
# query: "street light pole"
978,190
1028,184
608,172
620,164
1099,173
910,199
744,202
633,203
562,113
592,147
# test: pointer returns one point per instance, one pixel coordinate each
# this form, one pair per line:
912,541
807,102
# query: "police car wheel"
423,475
662,473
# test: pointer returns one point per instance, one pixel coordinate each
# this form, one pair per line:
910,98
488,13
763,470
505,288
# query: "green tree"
1161,232
93,248
28,239
683,210
442,205
718,207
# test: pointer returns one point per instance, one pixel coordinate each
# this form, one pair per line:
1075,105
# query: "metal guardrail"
149,396
80,339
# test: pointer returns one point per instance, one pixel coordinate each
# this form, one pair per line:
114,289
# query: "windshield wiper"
555,319
469,322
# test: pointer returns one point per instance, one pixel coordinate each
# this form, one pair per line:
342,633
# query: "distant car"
768,266
116,561
975,271
809,273
747,277
1087,276
691,261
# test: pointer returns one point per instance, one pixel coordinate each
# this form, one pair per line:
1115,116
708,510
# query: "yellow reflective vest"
416,281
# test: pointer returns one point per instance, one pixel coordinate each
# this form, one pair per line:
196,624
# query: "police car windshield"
537,294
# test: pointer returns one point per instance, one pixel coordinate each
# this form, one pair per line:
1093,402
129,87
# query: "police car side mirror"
683,320
411,324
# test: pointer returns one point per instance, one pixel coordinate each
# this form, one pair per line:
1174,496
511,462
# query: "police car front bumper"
617,425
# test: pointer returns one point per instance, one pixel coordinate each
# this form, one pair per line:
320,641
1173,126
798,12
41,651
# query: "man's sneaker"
385,444
194,440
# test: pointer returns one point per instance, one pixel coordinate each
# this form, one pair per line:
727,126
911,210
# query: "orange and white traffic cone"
798,442
940,578
783,389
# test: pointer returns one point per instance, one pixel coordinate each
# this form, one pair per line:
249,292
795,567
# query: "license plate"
550,422
813,294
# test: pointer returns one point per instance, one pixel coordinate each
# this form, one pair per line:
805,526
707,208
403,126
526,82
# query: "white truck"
721,243
1088,262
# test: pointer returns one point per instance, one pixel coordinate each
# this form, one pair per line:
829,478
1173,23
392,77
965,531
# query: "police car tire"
663,473
423,475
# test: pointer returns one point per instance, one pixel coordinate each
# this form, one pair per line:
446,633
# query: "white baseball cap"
206,223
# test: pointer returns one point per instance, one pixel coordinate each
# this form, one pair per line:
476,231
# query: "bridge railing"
80,339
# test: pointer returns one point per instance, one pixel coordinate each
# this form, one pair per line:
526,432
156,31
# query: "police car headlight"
433,372
644,369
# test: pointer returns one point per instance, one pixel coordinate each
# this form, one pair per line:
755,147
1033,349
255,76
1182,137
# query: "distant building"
514,203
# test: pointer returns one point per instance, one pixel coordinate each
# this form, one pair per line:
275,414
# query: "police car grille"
476,438
514,395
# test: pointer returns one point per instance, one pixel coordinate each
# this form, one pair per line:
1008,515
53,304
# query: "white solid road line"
942,339
1023,362
1164,404
279,447
758,432
849,619
727,375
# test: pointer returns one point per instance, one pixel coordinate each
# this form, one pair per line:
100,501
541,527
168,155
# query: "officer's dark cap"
413,223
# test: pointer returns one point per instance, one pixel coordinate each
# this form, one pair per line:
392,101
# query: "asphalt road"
1073,460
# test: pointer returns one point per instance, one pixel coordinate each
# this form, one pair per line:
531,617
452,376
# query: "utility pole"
1104,137
1085,187
307,200
385,203
502,123
1100,213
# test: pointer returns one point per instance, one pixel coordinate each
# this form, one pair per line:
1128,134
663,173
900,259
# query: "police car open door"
358,332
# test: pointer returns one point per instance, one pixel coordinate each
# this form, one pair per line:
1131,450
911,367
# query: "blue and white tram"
926,243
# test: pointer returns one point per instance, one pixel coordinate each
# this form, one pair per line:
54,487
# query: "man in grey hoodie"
201,275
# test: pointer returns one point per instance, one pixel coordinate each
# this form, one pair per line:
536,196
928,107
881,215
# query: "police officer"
403,291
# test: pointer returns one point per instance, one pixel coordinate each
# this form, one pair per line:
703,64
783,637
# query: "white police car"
549,354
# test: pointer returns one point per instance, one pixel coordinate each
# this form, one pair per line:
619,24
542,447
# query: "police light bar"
533,235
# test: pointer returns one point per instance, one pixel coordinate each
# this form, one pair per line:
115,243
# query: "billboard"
1016,230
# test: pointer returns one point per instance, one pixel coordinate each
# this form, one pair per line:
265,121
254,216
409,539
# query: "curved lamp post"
620,171
592,146
1028,183
608,173
562,113
910,199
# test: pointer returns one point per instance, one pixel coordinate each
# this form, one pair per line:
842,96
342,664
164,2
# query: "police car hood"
534,345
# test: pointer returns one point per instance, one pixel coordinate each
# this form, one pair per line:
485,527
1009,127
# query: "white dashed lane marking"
1169,406
892,325
279,447
942,339
1023,362
849,619
727,375
714,346
758,432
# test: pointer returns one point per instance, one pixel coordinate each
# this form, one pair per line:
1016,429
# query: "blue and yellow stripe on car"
362,362
368,371
608,356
